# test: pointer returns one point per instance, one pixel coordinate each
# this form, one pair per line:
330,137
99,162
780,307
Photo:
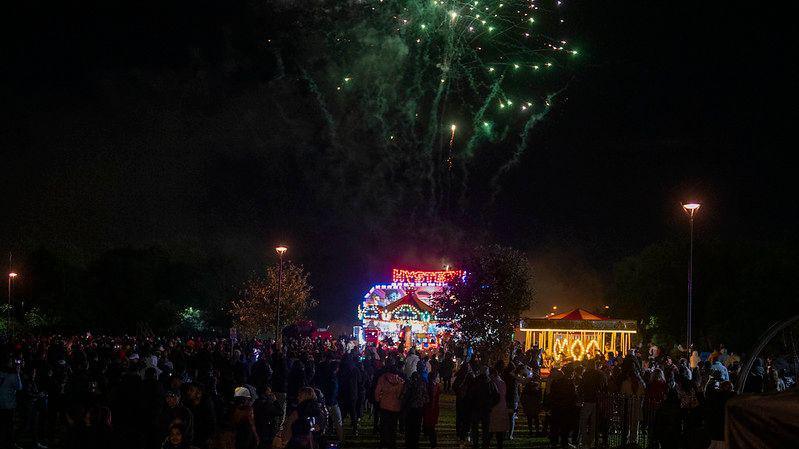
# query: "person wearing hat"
242,396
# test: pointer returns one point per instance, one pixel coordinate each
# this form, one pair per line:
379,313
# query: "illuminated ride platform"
403,311
577,334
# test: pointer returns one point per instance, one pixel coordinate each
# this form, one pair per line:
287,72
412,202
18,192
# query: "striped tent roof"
577,314
411,299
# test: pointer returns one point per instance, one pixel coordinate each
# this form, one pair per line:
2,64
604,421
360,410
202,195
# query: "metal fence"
626,420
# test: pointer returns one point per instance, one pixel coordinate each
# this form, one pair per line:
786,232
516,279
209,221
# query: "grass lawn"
446,432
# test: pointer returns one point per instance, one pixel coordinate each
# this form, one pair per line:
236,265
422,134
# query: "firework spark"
400,69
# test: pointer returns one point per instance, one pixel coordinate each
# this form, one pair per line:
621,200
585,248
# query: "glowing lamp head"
453,127
554,307
691,208
281,249
12,275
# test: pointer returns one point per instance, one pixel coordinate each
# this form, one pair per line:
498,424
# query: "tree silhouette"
255,310
486,304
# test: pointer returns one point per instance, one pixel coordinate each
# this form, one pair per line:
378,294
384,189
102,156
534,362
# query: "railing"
620,421
623,419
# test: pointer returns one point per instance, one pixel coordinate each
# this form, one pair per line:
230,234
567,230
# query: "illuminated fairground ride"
403,311
577,334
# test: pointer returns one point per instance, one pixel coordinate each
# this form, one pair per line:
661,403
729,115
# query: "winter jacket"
415,394
328,383
512,389
531,399
350,384
719,371
431,410
411,363
10,384
267,411
279,373
481,397
592,383
498,417
562,394
389,392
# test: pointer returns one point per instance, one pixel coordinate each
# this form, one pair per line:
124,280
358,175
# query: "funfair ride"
403,312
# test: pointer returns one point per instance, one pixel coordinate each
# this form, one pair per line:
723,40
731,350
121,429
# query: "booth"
577,334
403,311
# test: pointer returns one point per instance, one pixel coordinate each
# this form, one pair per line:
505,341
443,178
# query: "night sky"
148,124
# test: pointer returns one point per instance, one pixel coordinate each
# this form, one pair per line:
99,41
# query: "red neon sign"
414,276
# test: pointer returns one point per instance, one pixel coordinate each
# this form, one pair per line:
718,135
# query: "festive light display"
415,71
402,310
576,334
421,277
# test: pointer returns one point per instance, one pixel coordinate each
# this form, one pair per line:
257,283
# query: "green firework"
400,73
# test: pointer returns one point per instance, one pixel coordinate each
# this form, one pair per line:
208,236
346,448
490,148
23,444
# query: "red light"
415,276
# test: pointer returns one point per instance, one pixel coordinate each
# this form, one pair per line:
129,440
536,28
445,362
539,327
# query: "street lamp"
690,209
11,276
281,249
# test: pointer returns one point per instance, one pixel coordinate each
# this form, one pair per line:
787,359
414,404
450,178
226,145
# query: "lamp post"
11,276
281,249
690,209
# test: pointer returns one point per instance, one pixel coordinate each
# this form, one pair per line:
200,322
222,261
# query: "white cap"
241,392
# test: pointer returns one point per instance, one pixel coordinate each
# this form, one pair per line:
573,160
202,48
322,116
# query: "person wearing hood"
411,364
463,380
717,369
499,416
694,359
563,407
388,395
415,397
351,388
756,378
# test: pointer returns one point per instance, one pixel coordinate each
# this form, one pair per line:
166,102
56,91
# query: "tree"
651,287
486,304
255,309
740,289
191,320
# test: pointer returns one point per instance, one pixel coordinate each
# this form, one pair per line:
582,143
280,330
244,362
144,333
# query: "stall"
577,334
403,311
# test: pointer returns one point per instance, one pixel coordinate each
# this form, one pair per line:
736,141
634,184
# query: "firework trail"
394,72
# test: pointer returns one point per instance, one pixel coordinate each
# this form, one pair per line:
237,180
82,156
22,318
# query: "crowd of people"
149,393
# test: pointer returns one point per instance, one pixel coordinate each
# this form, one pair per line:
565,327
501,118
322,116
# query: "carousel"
402,312
575,335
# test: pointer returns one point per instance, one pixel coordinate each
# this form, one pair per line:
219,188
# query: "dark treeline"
740,288
121,290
